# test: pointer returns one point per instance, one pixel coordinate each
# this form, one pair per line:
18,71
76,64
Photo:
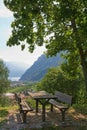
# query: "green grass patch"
19,89
3,113
81,108
4,101
31,102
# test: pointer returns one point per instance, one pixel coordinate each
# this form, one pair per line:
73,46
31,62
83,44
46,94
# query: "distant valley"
40,67
34,73
16,69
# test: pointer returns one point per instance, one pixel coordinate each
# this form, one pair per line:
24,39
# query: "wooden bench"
24,109
17,98
63,103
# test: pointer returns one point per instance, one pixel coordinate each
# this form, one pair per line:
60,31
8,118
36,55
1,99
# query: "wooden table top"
41,95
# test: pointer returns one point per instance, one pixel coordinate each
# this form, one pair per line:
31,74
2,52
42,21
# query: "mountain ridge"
40,67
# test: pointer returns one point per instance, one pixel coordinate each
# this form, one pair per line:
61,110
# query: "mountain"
37,71
16,69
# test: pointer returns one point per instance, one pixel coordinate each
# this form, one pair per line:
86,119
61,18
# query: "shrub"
4,101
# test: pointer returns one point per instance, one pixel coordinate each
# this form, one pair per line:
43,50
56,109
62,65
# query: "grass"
3,113
5,106
31,102
81,108
19,89
4,101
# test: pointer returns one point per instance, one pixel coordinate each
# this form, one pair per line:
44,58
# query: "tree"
60,24
4,82
57,79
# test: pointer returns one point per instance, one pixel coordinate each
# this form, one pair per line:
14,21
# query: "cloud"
15,54
4,12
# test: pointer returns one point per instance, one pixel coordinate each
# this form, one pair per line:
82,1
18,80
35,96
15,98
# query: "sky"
13,53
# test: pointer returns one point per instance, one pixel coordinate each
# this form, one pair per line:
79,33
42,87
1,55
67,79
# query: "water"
14,78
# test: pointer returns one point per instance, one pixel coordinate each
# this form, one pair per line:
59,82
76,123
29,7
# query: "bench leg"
36,106
43,113
24,117
63,114
51,108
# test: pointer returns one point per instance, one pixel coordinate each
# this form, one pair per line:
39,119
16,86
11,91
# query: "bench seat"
24,109
62,102
26,106
58,104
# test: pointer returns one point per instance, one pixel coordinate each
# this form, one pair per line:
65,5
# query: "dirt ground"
14,120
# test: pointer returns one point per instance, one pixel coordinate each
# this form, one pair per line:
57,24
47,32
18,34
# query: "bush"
82,108
5,101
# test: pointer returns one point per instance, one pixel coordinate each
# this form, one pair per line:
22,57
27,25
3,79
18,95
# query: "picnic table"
43,98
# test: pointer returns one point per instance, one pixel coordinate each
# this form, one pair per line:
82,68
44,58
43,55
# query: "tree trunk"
84,67
82,54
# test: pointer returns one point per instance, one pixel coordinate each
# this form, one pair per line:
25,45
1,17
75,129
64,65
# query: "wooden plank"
64,97
57,104
25,106
24,109
63,106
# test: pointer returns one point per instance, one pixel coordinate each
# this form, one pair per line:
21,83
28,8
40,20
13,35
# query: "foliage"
31,102
5,106
81,108
60,24
57,79
5,101
59,20
19,88
81,98
4,82
3,113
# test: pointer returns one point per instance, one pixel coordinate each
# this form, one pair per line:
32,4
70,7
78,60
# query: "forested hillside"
40,67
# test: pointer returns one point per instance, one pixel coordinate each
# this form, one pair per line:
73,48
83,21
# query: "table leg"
43,112
51,108
36,106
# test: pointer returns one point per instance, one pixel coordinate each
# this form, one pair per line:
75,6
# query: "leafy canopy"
58,23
